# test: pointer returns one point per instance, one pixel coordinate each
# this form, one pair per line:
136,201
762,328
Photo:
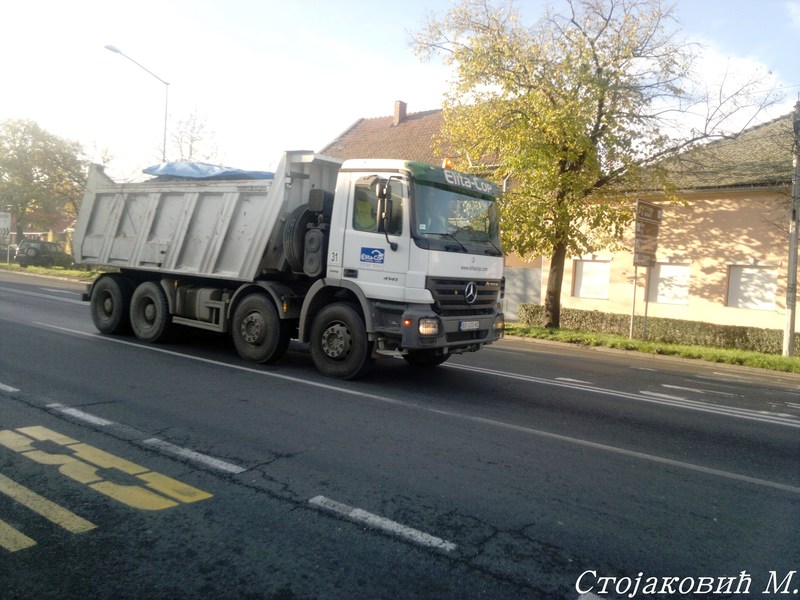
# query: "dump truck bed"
228,229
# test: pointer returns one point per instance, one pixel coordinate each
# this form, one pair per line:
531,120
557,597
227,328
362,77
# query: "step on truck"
359,259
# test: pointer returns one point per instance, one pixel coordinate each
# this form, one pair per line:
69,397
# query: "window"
449,219
752,287
367,207
590,279
669,284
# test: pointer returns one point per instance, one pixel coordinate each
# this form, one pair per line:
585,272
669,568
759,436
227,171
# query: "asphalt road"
526,470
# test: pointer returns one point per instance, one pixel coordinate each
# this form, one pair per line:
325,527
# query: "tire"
150,318
110,304
339,344
294,235
258,333
425,358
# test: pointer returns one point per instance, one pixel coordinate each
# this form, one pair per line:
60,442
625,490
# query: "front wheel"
150,318
339,344
258,333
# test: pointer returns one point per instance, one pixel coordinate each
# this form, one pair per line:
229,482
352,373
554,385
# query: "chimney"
399,112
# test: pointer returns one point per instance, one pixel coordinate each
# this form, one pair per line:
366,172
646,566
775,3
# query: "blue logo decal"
372,256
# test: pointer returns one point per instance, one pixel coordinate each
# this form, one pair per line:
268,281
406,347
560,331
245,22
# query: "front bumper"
450,333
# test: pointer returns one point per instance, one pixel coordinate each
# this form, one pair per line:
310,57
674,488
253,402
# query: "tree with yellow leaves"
572,113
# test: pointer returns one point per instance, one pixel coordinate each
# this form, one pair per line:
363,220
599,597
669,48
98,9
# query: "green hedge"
671,331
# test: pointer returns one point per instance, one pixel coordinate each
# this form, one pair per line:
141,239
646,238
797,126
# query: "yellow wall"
710,232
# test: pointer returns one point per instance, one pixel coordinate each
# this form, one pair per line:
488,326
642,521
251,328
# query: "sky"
265,76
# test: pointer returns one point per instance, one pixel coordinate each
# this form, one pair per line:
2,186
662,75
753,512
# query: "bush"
670,331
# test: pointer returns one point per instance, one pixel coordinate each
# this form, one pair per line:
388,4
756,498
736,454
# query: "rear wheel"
110,304
258,333
339,344
150,318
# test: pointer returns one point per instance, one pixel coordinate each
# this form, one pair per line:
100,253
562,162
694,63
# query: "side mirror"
383,190
386,219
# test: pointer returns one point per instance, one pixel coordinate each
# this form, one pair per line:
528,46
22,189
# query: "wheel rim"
253,328
337,341
149,313
108,305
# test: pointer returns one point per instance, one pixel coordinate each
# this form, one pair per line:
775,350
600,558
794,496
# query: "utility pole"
791,283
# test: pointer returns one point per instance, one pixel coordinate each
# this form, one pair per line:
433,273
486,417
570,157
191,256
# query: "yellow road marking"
12,540
174,488
49,510
133,495
81,462
43,433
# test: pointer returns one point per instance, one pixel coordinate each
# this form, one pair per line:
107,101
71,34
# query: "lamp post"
166,95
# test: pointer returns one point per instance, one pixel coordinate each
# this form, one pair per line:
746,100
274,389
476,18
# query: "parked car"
42,254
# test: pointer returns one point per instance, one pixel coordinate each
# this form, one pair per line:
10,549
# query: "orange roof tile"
413,138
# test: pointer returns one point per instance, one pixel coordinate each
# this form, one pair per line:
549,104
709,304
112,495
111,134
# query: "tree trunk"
552,298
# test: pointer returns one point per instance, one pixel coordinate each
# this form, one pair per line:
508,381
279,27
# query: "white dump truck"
359,259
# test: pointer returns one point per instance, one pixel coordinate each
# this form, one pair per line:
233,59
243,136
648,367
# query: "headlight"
428,326
500,325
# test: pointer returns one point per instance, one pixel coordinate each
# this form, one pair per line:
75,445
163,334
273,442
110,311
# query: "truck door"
368,257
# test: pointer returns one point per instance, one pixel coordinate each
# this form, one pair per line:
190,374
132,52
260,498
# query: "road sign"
642,259
646,229
645,241
5,224
646,211
645,246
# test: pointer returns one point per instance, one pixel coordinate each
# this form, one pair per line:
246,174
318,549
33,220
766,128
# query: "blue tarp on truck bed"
199,170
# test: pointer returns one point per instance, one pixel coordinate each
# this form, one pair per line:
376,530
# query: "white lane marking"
382,523
160,445
7,388
760,416
218,363
568,380
623,452
196,457
80,415
728,374
653,397
663,396
38,295
696,390
643,369
475,419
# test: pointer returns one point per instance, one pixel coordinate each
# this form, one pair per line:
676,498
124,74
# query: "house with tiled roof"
411,136
722,249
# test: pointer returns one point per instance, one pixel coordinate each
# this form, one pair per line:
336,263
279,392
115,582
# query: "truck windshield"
454,221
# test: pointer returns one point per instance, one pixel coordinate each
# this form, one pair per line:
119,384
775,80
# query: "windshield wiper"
499,252
452,237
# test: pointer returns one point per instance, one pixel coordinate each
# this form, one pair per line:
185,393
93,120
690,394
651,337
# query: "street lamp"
166,95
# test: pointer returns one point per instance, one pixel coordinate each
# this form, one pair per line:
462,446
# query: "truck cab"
419,248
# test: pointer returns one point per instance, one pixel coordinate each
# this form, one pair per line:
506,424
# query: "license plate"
469,325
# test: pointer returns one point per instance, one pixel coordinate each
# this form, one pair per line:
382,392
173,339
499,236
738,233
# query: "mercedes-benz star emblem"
471,293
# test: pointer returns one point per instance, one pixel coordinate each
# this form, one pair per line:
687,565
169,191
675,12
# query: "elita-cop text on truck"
359,259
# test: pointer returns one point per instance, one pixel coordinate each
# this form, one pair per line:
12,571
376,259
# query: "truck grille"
451,296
